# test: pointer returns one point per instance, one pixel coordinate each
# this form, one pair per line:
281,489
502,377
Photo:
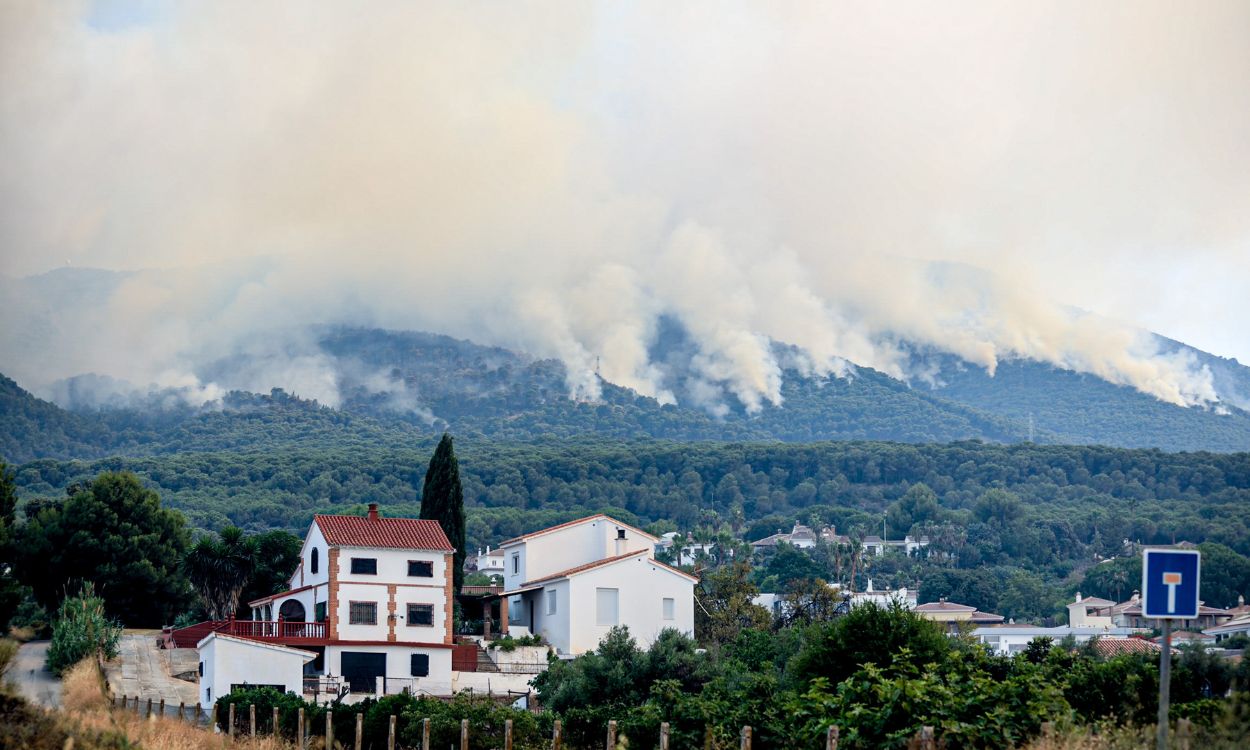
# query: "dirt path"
36,683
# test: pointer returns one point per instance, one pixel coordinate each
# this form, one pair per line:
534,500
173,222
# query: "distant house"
1128,614
1079,612
1189,638
572,583
683,550
1008,640
800,536
955,616
885,597
1108,647
875,545
488,561
1239,625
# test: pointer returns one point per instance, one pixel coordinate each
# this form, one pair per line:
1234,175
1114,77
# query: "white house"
573,582
1007,640
1080,616
370,602
486,561
264,665
875,545
1239,625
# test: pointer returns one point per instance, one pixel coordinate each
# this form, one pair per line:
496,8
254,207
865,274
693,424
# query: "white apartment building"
573,582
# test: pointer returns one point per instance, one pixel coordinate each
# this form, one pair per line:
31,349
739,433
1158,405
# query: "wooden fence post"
231,721
926,738
707,737
556,729
162,708
390,733
299,730
251,719
425,734
329,728
1182,734
360,731
182,710
212,717
464,734
664,735
831,738
148,715
745,741
507,734
612,734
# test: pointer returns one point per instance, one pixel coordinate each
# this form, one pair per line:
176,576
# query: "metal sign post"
1169,587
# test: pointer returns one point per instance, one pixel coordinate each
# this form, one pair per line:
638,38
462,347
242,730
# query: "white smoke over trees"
557,177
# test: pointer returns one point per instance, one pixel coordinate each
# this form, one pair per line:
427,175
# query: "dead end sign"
1170,584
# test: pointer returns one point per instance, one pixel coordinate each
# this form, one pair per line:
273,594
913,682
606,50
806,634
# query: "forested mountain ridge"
438,383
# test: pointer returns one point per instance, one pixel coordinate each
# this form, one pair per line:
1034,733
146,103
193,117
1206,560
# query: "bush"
265,699
81,631
8,655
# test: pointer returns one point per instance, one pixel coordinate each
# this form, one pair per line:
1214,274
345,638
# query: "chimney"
373,511
1078,597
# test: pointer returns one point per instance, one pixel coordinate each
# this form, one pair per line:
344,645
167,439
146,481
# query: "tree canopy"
442,500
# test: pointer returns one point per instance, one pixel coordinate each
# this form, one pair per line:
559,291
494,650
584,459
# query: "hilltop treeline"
1013,527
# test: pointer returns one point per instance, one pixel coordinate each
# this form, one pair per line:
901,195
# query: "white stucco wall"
399,665
392,569
232,661
642,585
569,547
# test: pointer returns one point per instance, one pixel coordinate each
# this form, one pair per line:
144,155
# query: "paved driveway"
141,669
34,682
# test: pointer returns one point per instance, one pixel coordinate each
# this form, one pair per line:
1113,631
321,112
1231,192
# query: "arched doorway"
291,611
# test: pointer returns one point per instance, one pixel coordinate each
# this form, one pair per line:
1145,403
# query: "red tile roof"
1117,646
576,522
395,533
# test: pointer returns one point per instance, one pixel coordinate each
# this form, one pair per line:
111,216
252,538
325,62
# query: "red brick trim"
390,613
332,609
448,564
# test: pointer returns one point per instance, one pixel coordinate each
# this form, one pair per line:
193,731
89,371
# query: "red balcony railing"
276,630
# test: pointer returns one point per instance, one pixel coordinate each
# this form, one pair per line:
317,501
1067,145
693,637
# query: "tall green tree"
10,591
277,555
114,533
442,500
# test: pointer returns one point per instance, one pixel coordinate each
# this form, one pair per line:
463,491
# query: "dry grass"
90,717
22,635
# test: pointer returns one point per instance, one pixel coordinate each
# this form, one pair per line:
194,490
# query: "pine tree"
442,500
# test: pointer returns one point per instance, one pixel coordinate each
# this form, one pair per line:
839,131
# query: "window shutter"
420,665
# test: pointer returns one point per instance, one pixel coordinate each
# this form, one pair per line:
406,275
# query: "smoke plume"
557,177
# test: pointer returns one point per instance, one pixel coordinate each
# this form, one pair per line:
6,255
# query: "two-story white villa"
371,598
573,582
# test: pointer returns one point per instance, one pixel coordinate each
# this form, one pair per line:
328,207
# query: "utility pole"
1165,680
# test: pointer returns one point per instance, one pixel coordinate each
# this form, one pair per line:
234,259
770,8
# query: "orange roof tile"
395,533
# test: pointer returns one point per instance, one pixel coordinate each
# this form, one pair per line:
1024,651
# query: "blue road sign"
1169,584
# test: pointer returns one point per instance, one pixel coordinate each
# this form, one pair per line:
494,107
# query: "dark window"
201,669
362,613
313,560
421,568
420,665
420,614
367,566
320,611
516,564
620,533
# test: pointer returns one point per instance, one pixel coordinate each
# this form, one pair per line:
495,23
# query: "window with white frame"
516,563
551,601
606,601
667,608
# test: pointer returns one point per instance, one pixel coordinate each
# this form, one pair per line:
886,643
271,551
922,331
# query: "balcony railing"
276,630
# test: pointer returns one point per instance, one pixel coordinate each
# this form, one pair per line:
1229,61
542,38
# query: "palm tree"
219,569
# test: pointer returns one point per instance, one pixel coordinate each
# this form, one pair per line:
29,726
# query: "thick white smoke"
557,177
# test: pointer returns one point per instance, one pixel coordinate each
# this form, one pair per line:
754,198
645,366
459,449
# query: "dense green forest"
1015,529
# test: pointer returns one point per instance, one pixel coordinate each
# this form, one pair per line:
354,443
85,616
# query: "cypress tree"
442,500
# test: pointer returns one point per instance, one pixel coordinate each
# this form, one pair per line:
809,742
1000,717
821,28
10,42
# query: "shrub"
81,631
8,654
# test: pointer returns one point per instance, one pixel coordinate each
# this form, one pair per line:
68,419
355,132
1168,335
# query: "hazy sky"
555,175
